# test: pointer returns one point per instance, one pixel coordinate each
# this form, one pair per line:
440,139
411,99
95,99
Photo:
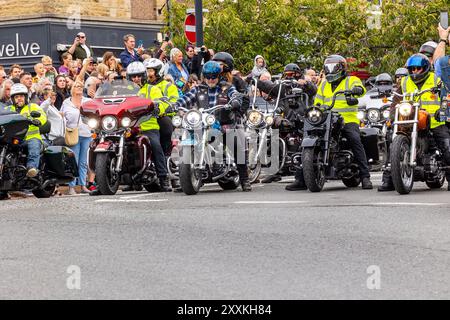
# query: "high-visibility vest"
170,91
430,102
152,92
325,96
33,131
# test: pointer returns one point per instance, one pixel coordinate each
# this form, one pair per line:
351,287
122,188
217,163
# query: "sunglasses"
80,87
415,68
81,37
210,76
136,76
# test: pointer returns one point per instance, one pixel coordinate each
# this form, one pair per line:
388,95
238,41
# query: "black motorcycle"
326,155
58,164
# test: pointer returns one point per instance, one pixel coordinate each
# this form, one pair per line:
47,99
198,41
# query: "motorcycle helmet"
227,60
155,64
292,70
384,82
17,89
335,67
428,48
401,72
211,70
136,68
418,61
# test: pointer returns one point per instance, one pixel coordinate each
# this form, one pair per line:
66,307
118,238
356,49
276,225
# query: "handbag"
71,135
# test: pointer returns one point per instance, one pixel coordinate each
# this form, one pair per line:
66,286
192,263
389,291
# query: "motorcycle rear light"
16,141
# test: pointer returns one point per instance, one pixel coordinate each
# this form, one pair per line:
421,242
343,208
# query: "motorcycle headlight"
210,119
360,115
92,123
386,114
126,122
109,123
255,118
269,121
373,115
315,116
193,118
405,109
176,121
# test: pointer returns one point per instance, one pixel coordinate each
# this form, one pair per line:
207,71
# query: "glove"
235,105
170,109
36,122
437,115
156,111
357,91
250,80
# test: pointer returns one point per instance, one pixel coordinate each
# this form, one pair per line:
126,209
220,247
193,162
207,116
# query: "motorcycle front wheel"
190,178
401,171
107,180
313,171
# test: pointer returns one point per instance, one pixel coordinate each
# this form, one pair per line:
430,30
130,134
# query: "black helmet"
335,67
428,48
401,72
226,58
292,70
420,61
384,82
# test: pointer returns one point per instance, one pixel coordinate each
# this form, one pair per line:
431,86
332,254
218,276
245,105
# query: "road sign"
189,28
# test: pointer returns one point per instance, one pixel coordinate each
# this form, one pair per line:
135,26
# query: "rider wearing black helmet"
399,74
226,62
384,83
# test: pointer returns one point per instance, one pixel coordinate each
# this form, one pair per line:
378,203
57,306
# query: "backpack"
444,64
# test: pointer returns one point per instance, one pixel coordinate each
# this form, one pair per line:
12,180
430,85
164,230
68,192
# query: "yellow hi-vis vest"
325,95
430,102
152,92
33,131
170,91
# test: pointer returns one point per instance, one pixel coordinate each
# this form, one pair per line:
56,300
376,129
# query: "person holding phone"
79,49
130,54
444,38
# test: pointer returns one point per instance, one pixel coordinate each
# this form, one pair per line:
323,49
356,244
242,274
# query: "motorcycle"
414,154
119,154
203,158
57,165
374,118
326,155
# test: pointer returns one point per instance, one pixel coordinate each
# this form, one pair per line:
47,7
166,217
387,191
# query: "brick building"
43,27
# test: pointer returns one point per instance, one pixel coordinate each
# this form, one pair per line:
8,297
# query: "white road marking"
130,200
409,204
138,196
268,202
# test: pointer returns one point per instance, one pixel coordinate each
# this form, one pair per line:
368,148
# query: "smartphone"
140,43
444,20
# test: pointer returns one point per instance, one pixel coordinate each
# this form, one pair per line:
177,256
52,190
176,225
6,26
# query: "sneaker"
71,191
32,172
272,178
84,189
366,184
95,192
296,186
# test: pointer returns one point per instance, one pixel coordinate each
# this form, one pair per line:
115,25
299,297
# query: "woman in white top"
56,119
71,110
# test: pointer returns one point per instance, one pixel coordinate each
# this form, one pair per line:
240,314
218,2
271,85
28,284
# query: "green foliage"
286,31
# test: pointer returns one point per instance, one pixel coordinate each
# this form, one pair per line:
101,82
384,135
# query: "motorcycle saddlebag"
369,139
60,161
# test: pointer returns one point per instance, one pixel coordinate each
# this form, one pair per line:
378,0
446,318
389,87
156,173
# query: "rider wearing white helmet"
137,73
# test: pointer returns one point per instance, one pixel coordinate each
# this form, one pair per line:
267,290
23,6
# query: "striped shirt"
190,98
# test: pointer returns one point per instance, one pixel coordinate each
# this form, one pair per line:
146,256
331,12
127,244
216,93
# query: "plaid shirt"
190,98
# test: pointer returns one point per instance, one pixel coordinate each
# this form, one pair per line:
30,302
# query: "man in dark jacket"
79,49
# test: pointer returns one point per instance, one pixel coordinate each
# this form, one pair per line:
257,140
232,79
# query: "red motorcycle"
119,153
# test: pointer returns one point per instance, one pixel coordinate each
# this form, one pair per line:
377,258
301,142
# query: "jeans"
34,153
158,156
81,153
165,131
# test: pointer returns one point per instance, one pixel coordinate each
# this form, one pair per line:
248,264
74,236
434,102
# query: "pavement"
266,244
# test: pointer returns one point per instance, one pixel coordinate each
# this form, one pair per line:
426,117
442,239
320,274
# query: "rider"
155,76
421,78
33,139
335,67
136,73
290,109
211,92
399,74
226,62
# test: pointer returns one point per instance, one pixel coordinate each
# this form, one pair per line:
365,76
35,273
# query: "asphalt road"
267,244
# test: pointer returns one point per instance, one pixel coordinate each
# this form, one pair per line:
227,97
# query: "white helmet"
19,88
156,64
136,68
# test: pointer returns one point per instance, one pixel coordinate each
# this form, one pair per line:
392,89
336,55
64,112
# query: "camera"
166,38
202,49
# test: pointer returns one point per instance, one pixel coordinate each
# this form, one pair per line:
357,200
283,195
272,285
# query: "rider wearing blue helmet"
215,91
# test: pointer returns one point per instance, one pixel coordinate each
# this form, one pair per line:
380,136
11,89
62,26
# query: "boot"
95,192
272,178
296,185
128,188
246,186
386,186
366,183
165,184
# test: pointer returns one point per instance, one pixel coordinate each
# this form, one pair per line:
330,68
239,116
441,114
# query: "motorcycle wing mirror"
351,101
35,114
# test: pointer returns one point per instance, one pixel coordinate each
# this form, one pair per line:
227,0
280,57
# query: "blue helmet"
420,61
211,70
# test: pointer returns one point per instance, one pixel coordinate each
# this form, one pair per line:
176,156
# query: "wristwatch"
444,40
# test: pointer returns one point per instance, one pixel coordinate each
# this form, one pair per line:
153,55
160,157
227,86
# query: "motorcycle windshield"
117,88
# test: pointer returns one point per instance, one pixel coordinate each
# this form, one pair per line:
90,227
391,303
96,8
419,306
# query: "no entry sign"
189,28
